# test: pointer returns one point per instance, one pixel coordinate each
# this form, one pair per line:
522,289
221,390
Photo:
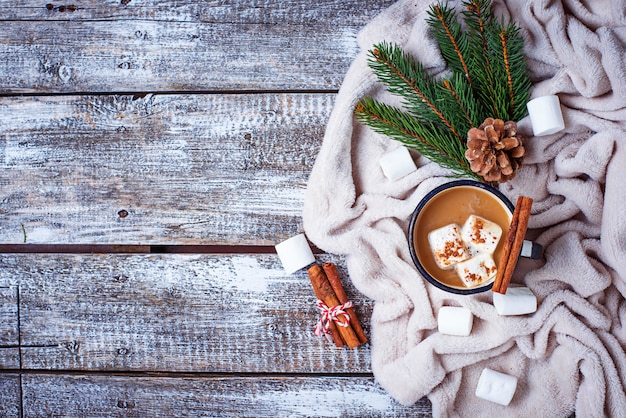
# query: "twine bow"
331,314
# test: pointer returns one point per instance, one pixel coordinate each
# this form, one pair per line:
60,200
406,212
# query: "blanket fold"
569,355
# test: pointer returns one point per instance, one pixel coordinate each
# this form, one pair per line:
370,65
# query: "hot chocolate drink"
463,215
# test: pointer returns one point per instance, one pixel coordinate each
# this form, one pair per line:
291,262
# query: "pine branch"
488,78
497,55
478,18
459,101
408,78
438,145
477,15
452,41
513,84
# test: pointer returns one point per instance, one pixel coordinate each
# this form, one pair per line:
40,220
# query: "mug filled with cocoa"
456,236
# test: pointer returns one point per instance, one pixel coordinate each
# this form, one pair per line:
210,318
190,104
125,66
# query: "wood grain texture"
9,357
162,169
46,395
10,394
174,313
9,325
298,12
202,46
8,314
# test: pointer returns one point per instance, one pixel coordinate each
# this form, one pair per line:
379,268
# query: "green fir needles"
487,77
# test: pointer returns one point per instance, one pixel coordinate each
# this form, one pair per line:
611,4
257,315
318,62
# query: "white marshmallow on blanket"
516,301
496,387
481,235
455,320
545,114
397,163
295,253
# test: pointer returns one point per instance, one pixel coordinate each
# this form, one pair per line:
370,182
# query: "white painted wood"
139,56
9,394
228,396
8,313
109,47
187,169
174,313
9,331
294,12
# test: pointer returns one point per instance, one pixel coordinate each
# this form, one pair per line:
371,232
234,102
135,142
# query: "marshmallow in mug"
545,115
481,235
447,246
455,320
496,387
295,253
477,270
397,163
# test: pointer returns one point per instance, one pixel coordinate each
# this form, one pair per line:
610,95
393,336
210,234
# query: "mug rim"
420,206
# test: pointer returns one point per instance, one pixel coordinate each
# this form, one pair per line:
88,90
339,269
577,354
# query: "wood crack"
140,94
137,249
183,375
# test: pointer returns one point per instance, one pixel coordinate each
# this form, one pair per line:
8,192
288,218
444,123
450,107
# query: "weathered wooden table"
151,155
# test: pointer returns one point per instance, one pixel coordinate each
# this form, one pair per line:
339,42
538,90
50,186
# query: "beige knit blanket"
569,356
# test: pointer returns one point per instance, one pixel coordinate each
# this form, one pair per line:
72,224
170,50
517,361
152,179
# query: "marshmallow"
481,235
496,387
545,115
516,301
295,253
477,270
397,163
447,246
455,320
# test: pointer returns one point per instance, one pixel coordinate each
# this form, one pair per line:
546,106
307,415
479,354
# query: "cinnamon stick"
334,332
335,281
324,292
513,244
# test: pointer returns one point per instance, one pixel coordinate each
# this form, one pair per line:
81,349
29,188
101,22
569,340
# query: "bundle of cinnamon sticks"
513,244
328,289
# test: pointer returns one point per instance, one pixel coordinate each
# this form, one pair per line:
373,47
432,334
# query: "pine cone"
494,150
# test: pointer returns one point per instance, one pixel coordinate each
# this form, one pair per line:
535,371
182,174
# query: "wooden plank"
51,395
162,169
9,358
174,313
9,332
9,326
201,47
140,56
294,12
10,393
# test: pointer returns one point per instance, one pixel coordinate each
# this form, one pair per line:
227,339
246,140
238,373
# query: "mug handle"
531,250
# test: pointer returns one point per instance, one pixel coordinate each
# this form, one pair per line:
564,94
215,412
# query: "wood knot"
72,346
62,8
65,73
123,404
122,213
123,351
120,278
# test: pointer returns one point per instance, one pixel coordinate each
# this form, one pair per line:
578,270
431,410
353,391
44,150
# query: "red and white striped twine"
331,314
